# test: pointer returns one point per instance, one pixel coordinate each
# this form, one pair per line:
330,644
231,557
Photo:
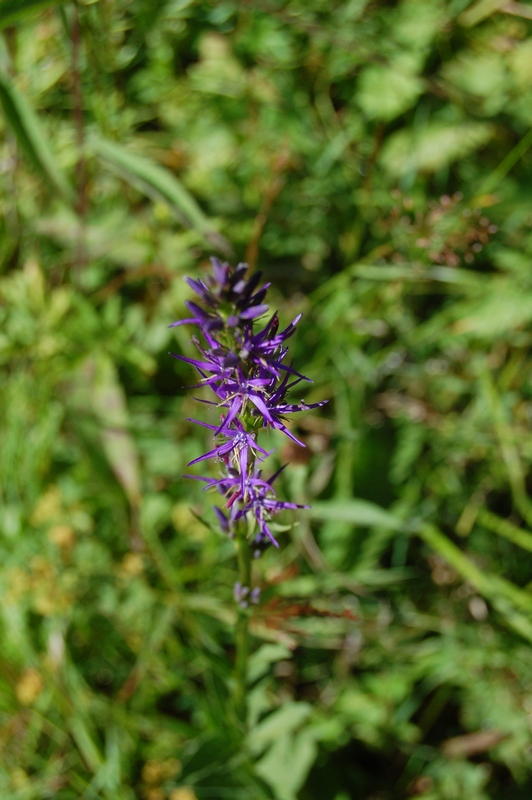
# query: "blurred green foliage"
374,160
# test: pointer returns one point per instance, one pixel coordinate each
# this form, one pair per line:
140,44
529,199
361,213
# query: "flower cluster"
246,371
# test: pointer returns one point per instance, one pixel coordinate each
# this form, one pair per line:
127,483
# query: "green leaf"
31,137
158,183
85,742
280,722
287,763
481,76
100,392
261,660
434,147
14,10
357,512
505,306
386,92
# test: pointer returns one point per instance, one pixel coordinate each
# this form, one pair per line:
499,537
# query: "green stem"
242,629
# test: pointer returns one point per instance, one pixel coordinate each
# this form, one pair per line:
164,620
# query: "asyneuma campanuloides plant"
245,369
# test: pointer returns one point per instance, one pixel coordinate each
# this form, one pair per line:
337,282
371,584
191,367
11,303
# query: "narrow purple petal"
266,531
199,422
221,271
276,474
203,365
259,403
210,454
203,291
234,408
183,322
284,429
222,519
253,312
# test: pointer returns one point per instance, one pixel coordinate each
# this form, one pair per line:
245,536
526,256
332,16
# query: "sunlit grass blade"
156,181
85,743
492,587
12,11
412,273
31,137
506,529
356,512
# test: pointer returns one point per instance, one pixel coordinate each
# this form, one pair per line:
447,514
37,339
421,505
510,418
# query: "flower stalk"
242,629
247,372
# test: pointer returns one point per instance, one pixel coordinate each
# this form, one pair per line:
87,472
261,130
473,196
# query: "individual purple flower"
238,441
259,498
251,495
244,595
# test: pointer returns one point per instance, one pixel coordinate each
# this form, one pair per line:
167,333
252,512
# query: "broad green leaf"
503,307
287,763
14,10
31,137
418,22
480,76
357,512
386,92
433,147
280,722
158,182
101,391
260,661
363,709
520,62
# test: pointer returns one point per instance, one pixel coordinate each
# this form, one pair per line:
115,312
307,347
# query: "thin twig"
270,195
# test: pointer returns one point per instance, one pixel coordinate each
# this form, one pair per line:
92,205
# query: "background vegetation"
372,158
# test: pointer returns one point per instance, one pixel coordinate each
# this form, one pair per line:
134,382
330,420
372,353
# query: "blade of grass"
508,446
356,512
160,631
107,778
505,528
12,11
31,137
158,181
85,743
502,594
509,161
479,11
492,587
445,275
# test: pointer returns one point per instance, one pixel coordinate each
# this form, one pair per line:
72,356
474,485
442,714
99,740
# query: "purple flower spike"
245,369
